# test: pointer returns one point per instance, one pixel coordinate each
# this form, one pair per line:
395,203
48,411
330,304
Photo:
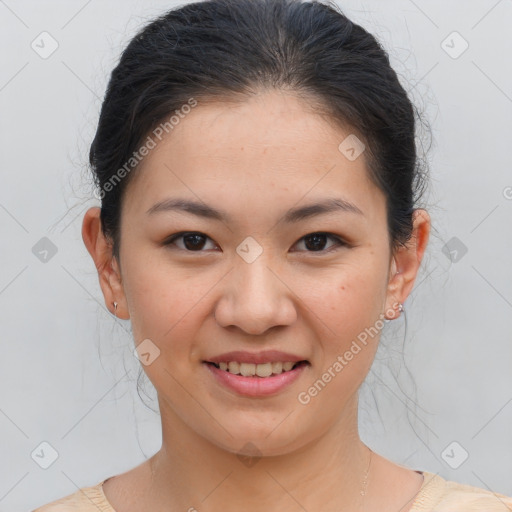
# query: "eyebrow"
293,215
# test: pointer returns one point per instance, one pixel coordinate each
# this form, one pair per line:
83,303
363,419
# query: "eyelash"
339,242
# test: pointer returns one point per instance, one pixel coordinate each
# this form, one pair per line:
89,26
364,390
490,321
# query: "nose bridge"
255,299
252,272
256,282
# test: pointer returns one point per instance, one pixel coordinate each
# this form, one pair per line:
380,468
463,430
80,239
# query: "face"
262,273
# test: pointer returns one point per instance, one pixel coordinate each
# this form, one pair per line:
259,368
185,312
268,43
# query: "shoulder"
440,495
86,499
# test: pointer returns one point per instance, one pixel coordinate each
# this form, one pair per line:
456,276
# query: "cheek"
343,305
350,330
167,303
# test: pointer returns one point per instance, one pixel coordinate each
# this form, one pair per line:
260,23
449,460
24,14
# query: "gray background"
67,369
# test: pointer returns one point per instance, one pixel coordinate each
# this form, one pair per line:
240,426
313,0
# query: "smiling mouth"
264,370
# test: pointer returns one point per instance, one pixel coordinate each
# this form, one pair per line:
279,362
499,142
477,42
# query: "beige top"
435,495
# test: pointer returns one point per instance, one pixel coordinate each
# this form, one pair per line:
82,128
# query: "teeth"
261,370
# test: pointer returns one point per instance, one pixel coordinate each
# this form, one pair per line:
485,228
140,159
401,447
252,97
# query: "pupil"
316,238
198,241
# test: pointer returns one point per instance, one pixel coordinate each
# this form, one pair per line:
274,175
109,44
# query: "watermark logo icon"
44,45
454,45
146,352
44,250
352,147
249,249
44,455
250,456
454,455
454,249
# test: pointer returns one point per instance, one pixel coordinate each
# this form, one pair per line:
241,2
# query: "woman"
258,177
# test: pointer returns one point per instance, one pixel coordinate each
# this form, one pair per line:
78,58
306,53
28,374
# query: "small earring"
115,309
400,309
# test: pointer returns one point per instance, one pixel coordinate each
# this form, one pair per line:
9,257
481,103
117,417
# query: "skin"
256,160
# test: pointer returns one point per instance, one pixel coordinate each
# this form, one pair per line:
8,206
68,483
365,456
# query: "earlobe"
394,299
100,250
407,261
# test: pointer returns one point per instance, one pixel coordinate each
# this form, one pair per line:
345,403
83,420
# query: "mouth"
267,383
260,371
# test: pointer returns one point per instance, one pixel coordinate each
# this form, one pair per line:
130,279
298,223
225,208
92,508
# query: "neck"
190,472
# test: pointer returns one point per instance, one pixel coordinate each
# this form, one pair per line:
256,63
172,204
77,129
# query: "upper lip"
265,356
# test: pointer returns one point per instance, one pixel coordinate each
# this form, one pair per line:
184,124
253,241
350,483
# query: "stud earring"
400,309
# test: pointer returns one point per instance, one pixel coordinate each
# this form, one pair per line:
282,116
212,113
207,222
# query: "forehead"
271,148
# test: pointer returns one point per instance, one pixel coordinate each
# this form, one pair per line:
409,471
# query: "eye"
316,241
193,241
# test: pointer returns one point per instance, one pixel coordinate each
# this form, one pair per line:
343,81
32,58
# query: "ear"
406,262
100,249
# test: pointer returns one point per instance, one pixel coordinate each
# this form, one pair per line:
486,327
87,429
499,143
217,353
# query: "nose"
255,298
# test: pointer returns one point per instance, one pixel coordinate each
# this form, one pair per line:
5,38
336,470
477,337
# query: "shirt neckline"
419,499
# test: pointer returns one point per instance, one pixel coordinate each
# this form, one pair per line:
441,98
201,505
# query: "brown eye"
191,241
315,242
195,242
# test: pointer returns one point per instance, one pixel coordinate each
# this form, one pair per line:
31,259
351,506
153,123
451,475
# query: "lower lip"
256,386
